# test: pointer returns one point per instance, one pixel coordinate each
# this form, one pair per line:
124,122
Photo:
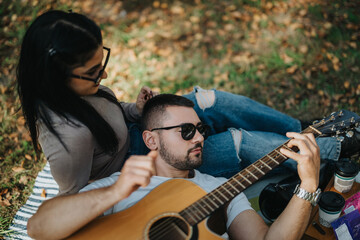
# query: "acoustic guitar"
175,210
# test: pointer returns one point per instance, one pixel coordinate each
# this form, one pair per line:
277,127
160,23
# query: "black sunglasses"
98,78
188,130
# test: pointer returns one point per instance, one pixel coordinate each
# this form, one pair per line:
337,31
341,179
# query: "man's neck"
165,170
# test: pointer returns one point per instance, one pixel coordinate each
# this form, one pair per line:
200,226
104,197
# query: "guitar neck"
202,208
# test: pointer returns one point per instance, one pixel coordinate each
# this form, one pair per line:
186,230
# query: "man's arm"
59,217
291,224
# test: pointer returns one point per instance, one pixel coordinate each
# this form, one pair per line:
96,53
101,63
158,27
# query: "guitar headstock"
337,123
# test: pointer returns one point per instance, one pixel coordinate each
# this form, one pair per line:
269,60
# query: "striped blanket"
44,184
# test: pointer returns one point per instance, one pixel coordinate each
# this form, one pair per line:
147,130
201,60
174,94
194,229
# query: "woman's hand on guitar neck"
136,173
308,159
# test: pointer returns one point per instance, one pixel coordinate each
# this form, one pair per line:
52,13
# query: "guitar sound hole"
169,228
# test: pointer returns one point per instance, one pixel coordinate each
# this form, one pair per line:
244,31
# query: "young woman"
79,124
86,134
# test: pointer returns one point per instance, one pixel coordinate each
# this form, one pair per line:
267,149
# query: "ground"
301,57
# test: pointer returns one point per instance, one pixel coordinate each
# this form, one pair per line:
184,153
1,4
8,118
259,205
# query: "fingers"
145,89
308,159
305,142
141,164
153,154
307,136
146,93
137,172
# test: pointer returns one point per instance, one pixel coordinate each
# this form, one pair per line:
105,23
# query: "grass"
301,59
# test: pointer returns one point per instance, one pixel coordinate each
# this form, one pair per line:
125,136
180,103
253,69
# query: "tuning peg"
341,138
315,122
333,128
332,118
352,120
350,133
341,113
342,124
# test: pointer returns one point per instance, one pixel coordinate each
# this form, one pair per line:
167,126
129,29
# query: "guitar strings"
163,228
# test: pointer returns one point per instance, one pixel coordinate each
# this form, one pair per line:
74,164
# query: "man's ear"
150,139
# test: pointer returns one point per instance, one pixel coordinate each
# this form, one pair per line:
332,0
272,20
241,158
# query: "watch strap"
313,198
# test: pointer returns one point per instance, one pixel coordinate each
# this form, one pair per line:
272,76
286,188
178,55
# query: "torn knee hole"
205,98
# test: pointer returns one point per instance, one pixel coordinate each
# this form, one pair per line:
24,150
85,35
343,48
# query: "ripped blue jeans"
262,130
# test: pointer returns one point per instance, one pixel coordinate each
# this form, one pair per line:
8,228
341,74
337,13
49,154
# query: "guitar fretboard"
202,208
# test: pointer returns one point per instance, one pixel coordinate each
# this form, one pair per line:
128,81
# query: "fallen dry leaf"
5,203
156,4
133,42
323,67
177,10
4,191
18,169
286,58
292,69
43,193
303,49
23,180
353,44
310,86
327,25
352,101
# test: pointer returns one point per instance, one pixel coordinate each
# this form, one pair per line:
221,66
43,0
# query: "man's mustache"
198,145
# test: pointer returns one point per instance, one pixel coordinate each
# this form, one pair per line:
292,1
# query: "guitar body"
161,204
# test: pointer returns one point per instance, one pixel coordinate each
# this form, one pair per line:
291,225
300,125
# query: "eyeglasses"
188,130
98,78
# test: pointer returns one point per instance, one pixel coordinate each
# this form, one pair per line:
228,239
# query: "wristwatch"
313,198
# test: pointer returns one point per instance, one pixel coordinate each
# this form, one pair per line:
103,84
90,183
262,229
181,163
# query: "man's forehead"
179,114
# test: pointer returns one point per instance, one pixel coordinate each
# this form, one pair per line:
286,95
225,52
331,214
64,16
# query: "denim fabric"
263,129
137,145
255,145
230,110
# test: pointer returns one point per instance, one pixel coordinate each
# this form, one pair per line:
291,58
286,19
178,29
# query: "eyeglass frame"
196,128
98,78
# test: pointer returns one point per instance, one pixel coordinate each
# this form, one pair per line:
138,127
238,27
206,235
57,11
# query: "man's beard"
181,162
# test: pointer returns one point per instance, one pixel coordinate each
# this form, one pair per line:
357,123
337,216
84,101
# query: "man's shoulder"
104,182
209,177
206,181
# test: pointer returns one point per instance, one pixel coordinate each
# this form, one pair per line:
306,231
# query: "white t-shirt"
205,181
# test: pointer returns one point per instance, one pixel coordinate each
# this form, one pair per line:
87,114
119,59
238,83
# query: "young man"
176,135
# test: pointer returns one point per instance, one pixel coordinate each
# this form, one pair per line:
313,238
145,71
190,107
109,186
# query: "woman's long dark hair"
55,44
